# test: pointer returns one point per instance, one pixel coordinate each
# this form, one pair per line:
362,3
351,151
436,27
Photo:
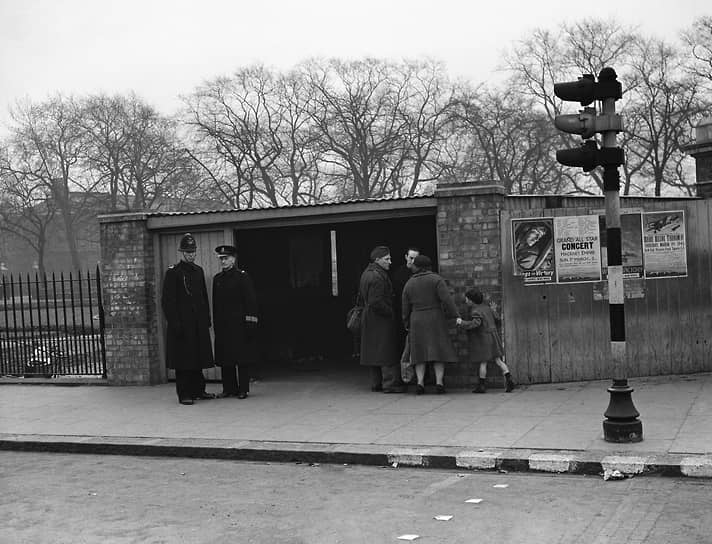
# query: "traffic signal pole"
621,423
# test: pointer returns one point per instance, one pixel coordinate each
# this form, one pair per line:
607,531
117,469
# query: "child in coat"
483,339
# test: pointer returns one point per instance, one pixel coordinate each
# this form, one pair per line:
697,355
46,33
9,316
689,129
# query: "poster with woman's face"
532,249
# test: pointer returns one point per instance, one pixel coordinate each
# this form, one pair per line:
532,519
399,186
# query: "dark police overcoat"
379,344
234,318
427,305
185,304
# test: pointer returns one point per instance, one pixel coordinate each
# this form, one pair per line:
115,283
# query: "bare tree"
46,147
358,109
133,151
26,209
236,125
661,110
103,124
509,141
299,165
698,40
430,114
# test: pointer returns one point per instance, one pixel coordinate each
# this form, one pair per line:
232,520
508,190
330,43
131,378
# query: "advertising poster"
577,249
532,249
632,245
664,245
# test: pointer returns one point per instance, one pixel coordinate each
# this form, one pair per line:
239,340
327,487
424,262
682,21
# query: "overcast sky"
162,48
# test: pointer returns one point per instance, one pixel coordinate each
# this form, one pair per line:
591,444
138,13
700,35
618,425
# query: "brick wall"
469,255
127,266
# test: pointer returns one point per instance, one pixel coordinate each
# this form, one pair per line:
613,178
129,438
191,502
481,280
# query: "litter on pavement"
408,537
474,501
443,517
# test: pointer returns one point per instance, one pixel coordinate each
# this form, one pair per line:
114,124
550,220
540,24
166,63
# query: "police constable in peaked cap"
234,323
185,305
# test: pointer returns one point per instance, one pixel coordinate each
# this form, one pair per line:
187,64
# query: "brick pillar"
470,253
701,150
129,291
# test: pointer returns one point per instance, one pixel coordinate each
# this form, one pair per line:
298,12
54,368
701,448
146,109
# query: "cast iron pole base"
621,423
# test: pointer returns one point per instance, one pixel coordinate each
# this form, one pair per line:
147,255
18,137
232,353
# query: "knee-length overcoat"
185,304
379,344
427,305
483,339
234,318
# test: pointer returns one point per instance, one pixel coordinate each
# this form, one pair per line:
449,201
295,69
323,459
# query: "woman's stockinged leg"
439,372
420,373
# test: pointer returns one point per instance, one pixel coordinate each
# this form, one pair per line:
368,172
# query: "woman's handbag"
353,319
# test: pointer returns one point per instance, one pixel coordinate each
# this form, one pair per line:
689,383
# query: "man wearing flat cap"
185,304
234,323
379,343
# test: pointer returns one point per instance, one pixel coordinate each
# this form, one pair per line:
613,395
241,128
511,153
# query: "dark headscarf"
422,262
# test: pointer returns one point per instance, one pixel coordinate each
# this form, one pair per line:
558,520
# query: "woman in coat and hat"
427,305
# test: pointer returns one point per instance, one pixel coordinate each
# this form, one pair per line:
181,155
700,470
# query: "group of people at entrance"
406,321
234,320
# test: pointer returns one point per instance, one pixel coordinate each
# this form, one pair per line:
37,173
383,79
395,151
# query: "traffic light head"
583,123
585,156
582,90
586,89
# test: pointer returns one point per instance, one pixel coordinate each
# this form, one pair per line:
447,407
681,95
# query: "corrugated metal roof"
291,206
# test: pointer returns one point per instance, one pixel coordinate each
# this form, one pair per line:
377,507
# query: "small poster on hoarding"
532,249
664,245
577,249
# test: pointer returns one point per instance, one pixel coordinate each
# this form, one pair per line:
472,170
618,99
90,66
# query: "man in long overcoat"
185,305
379,343
427,305
234,323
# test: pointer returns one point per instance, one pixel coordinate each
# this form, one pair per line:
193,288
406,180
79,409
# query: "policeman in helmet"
186,308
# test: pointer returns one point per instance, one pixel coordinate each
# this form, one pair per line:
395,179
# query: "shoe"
480,387
509,385
376,388
394,390
439,389
187,402
204,396
224,395
242,395
419,390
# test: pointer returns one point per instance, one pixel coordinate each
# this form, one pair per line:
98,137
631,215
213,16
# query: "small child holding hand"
483,339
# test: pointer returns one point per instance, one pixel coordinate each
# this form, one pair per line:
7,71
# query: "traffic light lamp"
586,123
586,89
585,156
588,156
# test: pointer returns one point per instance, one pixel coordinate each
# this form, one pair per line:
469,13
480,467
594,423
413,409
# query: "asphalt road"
57,498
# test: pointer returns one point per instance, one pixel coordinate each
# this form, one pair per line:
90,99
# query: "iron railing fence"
52,325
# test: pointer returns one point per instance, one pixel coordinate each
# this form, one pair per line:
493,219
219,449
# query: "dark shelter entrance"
307,277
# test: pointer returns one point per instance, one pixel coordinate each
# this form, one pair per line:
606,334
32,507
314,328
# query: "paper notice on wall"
532,249
664,244
577,249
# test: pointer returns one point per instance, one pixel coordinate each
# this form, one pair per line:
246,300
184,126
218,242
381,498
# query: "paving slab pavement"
331,416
